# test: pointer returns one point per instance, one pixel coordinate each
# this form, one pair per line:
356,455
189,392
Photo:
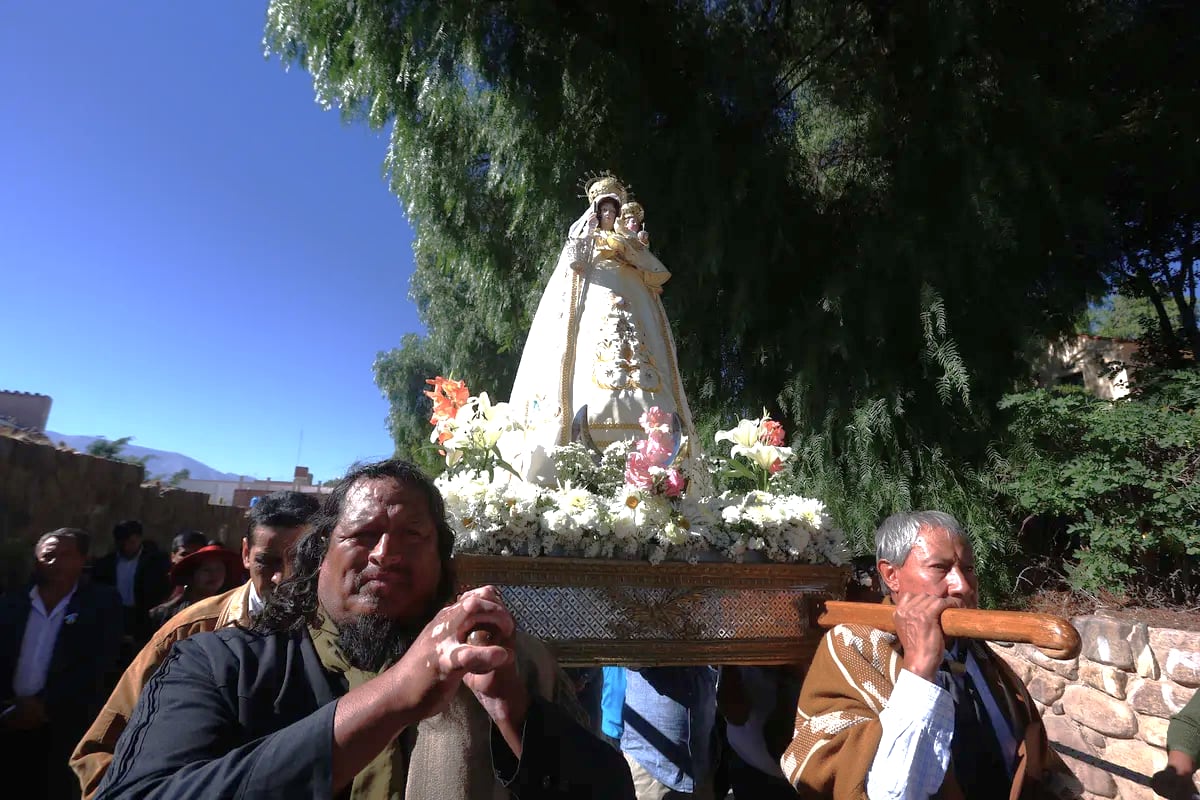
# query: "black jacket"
84,655
237,714
151,581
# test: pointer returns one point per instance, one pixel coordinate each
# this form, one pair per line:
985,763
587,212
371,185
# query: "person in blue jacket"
612,703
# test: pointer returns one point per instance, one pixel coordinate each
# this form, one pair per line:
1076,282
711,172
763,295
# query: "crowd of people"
334,657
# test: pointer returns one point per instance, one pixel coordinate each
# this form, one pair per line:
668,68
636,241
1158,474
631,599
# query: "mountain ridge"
162,463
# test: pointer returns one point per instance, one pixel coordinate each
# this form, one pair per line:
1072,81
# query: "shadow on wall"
43,488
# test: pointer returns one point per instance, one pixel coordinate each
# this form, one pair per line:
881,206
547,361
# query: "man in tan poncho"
911,714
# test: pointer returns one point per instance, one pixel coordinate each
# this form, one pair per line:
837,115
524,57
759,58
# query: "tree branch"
1150,291
1180,289
804,78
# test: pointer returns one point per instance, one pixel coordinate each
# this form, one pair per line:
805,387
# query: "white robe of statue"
600,338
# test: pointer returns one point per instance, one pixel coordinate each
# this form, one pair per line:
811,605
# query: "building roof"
22,394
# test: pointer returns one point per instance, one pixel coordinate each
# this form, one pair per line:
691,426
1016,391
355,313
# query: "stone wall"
1106,712
43,488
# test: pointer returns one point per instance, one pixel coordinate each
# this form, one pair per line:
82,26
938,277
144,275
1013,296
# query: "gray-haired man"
912,714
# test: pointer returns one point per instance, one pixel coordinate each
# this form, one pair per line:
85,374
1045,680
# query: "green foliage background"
870,209
1124,476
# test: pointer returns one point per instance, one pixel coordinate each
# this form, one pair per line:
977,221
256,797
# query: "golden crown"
606,184
633,209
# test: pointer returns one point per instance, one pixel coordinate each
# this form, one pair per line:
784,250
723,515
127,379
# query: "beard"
373,641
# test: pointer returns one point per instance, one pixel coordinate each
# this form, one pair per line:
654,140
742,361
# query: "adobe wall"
1107,711
43,488
27,410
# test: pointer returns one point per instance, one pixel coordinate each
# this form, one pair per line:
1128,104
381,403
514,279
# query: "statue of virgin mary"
600,338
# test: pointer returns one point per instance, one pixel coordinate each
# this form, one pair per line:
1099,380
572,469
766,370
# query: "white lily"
744,436
764,456
493,420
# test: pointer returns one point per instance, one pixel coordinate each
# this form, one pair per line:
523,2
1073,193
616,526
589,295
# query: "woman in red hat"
208,571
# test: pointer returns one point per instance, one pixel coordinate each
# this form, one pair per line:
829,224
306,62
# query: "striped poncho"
838,729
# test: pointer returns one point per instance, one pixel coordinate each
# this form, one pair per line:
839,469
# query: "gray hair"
895,537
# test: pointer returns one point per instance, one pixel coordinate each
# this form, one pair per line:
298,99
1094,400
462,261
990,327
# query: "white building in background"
243,491
1099,364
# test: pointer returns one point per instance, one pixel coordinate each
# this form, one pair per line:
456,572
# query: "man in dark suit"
365,675
58,642
139,571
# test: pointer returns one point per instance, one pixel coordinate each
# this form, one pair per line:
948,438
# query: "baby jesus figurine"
632,217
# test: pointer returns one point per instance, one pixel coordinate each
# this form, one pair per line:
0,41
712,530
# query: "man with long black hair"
358,677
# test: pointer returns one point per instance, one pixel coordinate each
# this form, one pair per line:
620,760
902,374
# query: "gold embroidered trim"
568,363
673,366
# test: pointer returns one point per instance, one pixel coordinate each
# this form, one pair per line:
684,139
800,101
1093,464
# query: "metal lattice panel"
552,613
596,611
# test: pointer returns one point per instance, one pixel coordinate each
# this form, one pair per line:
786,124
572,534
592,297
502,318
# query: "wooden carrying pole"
1054,636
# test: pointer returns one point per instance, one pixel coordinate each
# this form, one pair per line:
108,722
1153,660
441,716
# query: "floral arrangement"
635,500
469,428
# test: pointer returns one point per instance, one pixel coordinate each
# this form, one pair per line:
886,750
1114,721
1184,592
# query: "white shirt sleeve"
914,751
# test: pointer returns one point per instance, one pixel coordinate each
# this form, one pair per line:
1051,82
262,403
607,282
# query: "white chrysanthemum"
571,512
811,511
464,497
831,547
675,534
656,512
559,525
796,538
761,515
521,501
471,487
703,514
758,498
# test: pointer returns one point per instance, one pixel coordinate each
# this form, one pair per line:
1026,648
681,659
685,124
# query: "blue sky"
192,252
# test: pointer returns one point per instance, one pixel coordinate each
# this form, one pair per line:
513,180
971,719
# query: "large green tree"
1148,93
868,208
1120,316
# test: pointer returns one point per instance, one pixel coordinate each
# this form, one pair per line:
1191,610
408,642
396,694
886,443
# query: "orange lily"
448,396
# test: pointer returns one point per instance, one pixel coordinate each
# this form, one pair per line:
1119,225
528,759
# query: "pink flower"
656,448
772,433
674,483
776,466
654,418
637,471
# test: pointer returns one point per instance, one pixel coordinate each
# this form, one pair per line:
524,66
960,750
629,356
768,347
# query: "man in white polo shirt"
59,641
